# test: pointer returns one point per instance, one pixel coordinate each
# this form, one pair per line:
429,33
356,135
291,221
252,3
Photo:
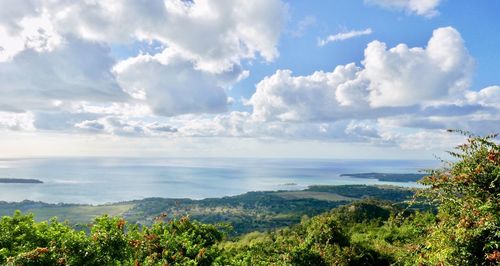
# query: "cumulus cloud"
215,34
426,8
171,85
404,76
362,129
285,97
16,121
57,74
78,70
489,96
55,53
344,36
400,89
396,80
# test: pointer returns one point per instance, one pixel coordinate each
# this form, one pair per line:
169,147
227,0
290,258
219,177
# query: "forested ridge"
453,220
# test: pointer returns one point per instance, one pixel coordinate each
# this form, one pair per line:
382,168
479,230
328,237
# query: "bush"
467,193
110,242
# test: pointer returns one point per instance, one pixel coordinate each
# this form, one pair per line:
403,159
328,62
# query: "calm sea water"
103,180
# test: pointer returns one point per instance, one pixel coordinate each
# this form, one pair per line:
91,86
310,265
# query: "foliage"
467,193
252,211
110,242
322,240
461,228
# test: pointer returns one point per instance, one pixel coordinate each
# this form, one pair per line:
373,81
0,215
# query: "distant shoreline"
388,177
20,181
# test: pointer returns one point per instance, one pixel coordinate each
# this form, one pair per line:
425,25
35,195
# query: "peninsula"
388,177
20,181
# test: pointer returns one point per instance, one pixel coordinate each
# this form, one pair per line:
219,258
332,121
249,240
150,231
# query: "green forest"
453,220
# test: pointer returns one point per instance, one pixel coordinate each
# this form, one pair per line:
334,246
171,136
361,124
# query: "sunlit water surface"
103,180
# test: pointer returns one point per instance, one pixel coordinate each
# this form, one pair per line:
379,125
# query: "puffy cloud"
288,98
35,33
362,129
403,76
353,91
77,70
16,121
215,34
55,53
489,96
171,85
425,8
391,81
397,95
57,73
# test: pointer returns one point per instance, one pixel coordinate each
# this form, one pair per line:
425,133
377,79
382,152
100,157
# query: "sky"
343,79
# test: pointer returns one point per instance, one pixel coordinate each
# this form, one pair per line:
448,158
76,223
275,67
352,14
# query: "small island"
388,177
20,181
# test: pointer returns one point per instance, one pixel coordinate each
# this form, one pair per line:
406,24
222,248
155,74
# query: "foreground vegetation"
454,220
253,211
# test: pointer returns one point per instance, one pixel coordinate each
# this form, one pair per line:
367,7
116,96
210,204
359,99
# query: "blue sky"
266,78
477,21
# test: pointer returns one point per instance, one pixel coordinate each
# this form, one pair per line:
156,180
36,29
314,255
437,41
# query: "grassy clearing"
313,195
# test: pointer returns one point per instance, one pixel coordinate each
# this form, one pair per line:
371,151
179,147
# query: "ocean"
106,180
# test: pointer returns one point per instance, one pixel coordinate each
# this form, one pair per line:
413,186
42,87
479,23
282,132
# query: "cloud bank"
63,69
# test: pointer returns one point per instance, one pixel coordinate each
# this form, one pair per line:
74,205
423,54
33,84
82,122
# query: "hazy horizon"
106,180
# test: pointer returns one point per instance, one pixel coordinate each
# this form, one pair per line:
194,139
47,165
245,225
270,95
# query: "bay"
106,180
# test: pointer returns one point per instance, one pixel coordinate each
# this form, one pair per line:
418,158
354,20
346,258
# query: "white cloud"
10,44
427,8
393,81
114,109
396,95
35,33
170,84
425,140
55,53
214,34
362,129
16,121
77,70
344,36
284,97
489,96
57,72
479,120
403,76
125,127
